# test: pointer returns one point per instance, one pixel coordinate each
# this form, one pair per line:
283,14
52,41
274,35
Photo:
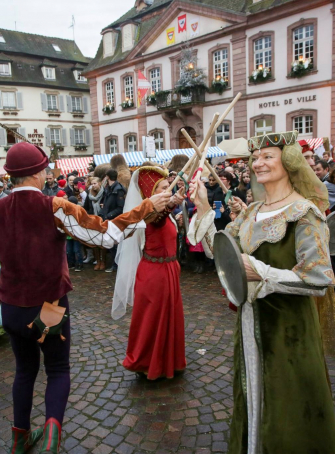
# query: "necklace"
280,200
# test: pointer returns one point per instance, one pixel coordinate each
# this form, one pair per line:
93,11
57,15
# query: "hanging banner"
194,27
143,86
182,23
170,36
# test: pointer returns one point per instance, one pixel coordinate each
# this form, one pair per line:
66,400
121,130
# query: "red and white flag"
143,86
182,23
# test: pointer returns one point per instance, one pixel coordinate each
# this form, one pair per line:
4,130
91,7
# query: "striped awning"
315,143
79,164
133,158
167,155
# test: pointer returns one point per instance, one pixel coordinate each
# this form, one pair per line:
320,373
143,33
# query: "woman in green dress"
282,399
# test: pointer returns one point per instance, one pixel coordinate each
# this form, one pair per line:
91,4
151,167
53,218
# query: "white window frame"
55,136
109,87
303,42
129,87
79,136
76,104
303,124
52,102
7,104
221,64
261,130
263,52
222,133
49,73
159,140
155,79
80,78
112,146
132,143
5,69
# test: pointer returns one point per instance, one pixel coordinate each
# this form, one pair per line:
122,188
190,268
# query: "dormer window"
5,69
128,37
49,73
56,47
109,43
2,39
78,76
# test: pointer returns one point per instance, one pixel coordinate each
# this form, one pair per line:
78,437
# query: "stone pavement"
110,409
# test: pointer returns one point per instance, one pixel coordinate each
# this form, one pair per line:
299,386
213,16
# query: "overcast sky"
53,18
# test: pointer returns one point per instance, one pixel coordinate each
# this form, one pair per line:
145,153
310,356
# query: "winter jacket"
50,191
113,201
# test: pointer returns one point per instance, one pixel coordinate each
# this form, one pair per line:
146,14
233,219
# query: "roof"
27,71
30,44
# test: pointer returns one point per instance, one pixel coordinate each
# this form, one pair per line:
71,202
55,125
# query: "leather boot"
103,259
97,258
23,440
52,436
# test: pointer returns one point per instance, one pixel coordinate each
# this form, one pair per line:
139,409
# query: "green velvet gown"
297,409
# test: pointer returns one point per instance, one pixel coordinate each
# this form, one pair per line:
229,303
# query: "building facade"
43,95
278,53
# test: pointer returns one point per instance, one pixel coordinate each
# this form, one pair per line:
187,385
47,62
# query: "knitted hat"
61,194
304,145
62,183
73,199
25,159
148,179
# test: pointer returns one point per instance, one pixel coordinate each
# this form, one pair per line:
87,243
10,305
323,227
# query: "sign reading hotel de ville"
299,99
36,138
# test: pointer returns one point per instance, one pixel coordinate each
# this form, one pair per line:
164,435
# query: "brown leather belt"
159,259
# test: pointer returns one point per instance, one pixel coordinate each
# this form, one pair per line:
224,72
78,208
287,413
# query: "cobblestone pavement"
110,409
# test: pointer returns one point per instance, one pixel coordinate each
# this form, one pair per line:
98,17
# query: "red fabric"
305,146
33,256
148,180
62,183
61,194
156,343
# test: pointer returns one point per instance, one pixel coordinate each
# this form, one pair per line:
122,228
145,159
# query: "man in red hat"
41,224
307,151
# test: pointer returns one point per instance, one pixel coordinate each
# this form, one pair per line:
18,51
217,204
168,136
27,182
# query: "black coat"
50,191
214,193
113,201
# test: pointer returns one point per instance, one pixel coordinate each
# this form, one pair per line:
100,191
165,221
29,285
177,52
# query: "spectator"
112,205
51,187
307,151
219,166
62,194
214,191
73,248
79,190
172,176
328,157
69,187
241,164
62,184
2,192
244,183
321,170
250,197
331,189
6,189
235,181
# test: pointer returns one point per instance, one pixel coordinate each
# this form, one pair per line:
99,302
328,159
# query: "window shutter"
0,100
3,137
85,105
47,137
19,100
69,103
61,103
64,138
44,101
22,131
72,137
87,137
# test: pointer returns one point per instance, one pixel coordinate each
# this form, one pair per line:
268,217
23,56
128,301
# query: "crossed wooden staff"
198,160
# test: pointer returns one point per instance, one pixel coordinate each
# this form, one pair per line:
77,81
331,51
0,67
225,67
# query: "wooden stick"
207,164
186,166
226,112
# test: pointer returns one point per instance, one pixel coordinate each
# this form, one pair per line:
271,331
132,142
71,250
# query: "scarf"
96,200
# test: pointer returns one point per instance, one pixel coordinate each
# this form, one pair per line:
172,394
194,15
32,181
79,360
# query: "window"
132,145
80,78
79,136
10,138
263,126
49,73
220,64
303,124
8,100
155,79
5,69
55,135
52,102
263,52
2,39
128,87
159,140
112,146
56,47
76,104
303,42
222,133
109,87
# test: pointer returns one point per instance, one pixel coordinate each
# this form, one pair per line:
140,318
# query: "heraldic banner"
182,23
170,36
194,27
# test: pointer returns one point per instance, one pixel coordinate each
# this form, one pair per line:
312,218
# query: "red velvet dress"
156,343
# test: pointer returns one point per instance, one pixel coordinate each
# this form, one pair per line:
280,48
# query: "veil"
128,256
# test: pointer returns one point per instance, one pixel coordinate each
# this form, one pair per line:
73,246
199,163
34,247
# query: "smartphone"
218,205
81,185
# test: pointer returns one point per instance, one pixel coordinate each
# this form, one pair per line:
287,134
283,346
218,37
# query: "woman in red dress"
156,343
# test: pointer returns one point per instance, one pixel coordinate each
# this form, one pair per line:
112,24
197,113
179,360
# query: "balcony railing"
169,99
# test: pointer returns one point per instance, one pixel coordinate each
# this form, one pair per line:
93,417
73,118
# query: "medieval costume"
156,343
38,229
282,400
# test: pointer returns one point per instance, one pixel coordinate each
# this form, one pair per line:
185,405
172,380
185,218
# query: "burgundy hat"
61,183
25,159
